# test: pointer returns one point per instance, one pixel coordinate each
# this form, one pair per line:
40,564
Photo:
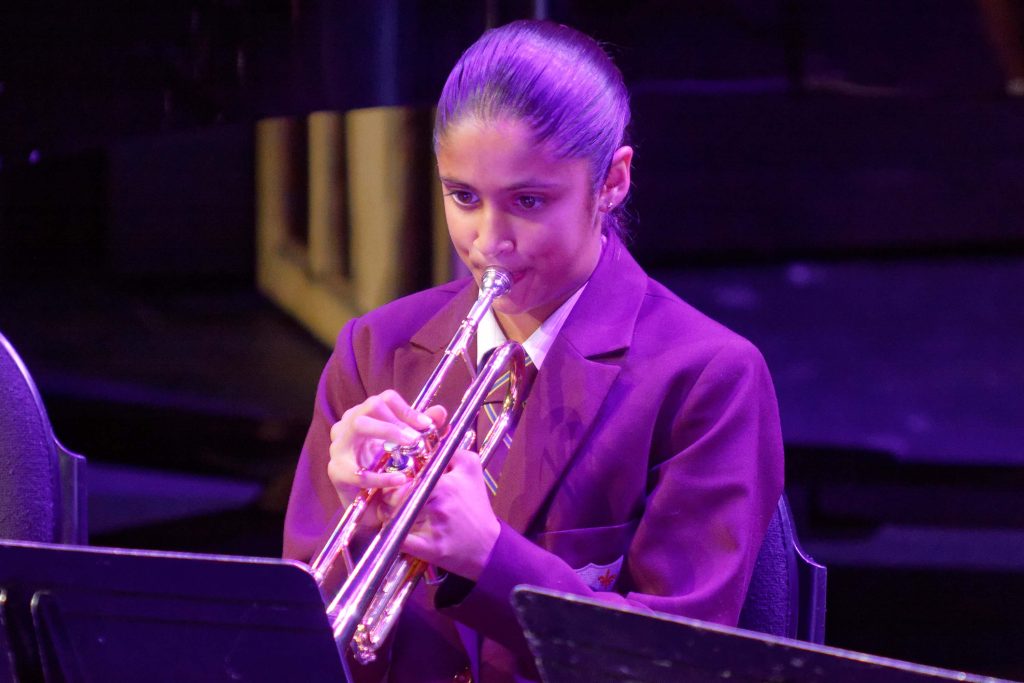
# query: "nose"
493,235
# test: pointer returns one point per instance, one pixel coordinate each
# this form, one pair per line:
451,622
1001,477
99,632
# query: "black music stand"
577,639
100,614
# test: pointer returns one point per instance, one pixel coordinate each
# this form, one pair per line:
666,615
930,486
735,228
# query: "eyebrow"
523,184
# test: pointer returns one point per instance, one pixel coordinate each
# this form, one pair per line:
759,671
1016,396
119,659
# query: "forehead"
501,153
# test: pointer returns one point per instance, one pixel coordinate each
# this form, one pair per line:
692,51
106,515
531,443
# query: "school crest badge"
600,577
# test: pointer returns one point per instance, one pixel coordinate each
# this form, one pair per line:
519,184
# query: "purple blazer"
644,470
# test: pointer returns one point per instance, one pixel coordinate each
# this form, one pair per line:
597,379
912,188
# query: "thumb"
465,461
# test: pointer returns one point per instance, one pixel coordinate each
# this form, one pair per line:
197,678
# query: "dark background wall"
839,181
764,130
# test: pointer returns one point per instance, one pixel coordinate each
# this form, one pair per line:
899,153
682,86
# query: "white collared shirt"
489,334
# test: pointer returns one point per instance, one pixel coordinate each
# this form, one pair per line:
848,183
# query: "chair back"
42,484
786,596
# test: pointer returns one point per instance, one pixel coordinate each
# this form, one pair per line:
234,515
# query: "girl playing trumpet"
648,459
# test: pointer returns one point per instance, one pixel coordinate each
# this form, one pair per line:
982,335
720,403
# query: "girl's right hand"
358,439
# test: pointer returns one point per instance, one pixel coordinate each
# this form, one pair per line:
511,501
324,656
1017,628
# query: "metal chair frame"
67,469
787,590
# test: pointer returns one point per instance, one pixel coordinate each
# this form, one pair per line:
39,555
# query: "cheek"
557,242
456,231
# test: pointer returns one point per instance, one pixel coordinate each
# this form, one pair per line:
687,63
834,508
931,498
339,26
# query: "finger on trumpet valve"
400,458
408,458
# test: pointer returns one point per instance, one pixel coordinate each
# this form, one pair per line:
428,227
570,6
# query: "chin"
506,306
503,305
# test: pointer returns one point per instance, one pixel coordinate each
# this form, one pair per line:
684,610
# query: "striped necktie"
490,412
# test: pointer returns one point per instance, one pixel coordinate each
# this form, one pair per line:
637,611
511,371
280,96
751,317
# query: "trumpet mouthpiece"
497,279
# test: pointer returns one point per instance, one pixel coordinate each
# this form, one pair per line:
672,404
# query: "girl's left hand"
457,528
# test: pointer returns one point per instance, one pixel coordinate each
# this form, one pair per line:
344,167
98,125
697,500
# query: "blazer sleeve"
715,476
313,504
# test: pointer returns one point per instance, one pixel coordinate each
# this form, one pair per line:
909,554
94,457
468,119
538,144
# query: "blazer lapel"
571,387
560,409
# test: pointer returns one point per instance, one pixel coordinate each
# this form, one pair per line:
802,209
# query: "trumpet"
367,606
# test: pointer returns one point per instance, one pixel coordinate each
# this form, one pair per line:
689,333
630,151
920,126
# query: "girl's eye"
528,201
463,197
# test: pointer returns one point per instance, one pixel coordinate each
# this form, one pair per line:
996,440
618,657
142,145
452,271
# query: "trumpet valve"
410,459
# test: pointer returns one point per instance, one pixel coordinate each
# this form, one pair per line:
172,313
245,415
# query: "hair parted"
556,79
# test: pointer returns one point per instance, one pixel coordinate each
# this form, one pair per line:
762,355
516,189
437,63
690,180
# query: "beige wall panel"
381,165
327,225
283,268
376,225
277,180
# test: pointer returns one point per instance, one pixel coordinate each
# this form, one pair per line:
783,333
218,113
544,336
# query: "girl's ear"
616,183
